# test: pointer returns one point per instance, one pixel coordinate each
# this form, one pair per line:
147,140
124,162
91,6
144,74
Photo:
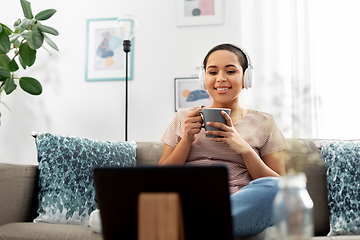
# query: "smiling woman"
235,142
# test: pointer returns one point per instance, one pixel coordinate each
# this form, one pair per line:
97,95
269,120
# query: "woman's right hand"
180,153
193,122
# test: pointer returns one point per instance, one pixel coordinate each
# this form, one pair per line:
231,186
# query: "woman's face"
224,77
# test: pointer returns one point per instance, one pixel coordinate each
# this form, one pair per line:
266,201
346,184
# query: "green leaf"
27,54
44,15
14,37
4,42
4,61
4,73
8,30
13,66
9,86
47,29
26,7
17,44
26,23
50,42
17,23
30,85
22,62
18,29
34,38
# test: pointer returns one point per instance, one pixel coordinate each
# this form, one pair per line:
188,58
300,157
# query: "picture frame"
188,93
199,12
105,57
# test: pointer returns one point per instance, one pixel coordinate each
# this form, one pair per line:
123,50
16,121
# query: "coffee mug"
213,115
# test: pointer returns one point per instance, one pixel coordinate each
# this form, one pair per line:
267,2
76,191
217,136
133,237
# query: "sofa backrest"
148,153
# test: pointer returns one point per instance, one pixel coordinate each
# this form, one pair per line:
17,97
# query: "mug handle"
203,120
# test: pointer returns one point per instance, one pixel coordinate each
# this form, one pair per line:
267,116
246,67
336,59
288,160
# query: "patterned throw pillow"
342,165
66,188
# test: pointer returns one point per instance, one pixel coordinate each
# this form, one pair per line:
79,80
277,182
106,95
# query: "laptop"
204,194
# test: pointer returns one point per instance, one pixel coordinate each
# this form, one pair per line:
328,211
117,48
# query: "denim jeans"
251,206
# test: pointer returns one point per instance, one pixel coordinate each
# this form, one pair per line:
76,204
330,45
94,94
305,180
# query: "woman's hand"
193,122
179,154
270,165
229,135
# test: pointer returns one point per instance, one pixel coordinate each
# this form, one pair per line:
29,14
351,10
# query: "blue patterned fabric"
66,188
342,165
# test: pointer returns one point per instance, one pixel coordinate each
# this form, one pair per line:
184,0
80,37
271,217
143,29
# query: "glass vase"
292,209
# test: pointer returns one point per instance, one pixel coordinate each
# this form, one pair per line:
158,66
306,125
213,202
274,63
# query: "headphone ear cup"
202,78
248,78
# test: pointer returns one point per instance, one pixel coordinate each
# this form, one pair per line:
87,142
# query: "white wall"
71,106
337,50
163,51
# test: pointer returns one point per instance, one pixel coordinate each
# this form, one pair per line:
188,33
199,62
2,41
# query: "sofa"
19,189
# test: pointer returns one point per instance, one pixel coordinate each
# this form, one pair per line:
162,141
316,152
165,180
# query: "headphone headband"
249,63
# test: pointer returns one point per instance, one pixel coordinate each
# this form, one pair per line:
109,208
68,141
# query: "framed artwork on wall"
199,12
105,58
188,93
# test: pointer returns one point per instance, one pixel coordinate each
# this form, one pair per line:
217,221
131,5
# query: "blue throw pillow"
342,165
66,188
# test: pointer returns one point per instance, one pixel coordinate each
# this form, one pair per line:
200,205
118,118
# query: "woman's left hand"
229,135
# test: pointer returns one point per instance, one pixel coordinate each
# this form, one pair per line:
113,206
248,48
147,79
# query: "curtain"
277,35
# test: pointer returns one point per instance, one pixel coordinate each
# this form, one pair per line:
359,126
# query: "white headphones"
248,73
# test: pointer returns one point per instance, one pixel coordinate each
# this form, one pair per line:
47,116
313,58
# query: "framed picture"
105,57
188,93
199,12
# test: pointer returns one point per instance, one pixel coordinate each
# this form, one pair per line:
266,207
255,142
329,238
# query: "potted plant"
20,47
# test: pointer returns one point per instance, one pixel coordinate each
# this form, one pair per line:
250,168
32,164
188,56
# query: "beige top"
257,128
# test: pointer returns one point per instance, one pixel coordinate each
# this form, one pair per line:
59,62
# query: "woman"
251,145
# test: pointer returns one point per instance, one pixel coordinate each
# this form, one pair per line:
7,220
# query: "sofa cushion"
46,231
66,188
342,164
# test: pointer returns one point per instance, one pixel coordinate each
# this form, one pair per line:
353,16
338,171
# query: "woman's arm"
270,166
180,153
276,161
176,155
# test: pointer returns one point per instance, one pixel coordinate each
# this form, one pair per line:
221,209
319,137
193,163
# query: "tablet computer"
203,190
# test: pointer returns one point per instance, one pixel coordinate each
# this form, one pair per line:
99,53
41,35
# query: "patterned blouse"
257,128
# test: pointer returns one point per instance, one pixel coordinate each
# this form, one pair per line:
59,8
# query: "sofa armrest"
18,188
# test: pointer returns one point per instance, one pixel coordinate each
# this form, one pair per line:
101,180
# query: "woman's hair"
231,48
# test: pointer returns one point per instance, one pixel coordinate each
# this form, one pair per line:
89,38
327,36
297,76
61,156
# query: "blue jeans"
251,207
